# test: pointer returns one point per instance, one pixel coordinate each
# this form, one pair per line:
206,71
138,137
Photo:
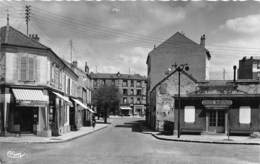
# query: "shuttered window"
23,68
189,114
28,68
245,115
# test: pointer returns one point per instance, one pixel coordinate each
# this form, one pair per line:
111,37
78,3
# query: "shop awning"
125,108
29,95
83,105
65,98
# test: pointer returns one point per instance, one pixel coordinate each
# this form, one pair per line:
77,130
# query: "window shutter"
18,68
189,114
36,69
245,115
23,69
31,69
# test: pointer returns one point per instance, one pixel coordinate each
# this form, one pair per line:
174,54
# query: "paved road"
118,144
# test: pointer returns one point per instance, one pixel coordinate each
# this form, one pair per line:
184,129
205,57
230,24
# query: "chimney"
75,64
86,67
34,37
235,70
202,40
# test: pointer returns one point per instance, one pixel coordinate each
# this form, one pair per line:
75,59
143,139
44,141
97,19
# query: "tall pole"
71,45
27,17
179,99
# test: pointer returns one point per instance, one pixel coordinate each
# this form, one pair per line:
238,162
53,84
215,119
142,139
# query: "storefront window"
189,114
245,115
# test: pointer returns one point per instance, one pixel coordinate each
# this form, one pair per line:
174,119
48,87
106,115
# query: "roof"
169,75
10,35
179,40
117,76
13,37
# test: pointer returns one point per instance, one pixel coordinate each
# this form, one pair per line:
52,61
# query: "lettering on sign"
216,102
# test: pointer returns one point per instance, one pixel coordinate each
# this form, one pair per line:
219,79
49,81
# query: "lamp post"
180,69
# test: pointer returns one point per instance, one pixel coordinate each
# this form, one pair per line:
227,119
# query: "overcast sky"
117,36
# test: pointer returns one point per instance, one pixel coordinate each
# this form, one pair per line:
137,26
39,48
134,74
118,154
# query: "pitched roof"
117,76
10,35
180,40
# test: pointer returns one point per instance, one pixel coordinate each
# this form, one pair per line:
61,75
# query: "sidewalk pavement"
64,138
207,138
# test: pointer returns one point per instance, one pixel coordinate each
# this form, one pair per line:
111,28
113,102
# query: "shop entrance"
217,121
26,117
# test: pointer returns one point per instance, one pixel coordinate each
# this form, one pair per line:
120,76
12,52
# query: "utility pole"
27,16
7,17
224,74
71,50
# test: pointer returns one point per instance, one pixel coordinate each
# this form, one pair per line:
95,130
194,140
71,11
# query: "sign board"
217,102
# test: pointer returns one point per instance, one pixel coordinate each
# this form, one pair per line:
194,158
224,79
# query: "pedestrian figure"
93,121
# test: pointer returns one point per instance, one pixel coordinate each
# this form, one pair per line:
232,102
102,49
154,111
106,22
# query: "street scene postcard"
129,82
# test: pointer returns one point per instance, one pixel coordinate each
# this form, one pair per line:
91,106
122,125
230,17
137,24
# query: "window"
139,92
244,115
138,84
124,100
132,100
28,68
138,101
124,83
189,114
124,91
68,86
132,83
132,92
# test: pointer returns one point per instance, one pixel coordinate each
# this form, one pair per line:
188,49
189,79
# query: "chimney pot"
235,70
202,40
86,67
75,64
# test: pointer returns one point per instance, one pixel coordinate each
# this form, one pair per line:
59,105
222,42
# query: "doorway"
217,121
26,117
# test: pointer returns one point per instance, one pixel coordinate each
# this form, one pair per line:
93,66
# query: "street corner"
209,139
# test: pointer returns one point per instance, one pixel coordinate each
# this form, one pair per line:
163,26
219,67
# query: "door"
217,121
25,117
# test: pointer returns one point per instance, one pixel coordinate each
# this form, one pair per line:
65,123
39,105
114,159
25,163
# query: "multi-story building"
84,94
132,88
37,87
249,68
178,49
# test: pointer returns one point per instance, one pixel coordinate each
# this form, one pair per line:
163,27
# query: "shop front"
80,115
59,116
125,110
213,114
28,112
216,115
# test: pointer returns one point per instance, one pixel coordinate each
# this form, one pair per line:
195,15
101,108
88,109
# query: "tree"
107,99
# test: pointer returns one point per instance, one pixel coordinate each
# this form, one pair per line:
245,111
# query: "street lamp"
180,69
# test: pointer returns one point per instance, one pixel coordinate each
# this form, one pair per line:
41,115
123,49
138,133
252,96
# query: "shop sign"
216,102
31,103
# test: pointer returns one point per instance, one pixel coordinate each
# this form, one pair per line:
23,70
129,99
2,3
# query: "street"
119,144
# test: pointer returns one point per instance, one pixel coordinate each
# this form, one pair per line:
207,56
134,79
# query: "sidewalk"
64,138
213,139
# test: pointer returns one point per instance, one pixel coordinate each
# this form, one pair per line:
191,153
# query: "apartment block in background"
132,88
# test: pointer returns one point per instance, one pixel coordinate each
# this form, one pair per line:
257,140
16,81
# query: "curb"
59,141
197,141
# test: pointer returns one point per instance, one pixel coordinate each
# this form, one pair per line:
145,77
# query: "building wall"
249,68
162,103
179,50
